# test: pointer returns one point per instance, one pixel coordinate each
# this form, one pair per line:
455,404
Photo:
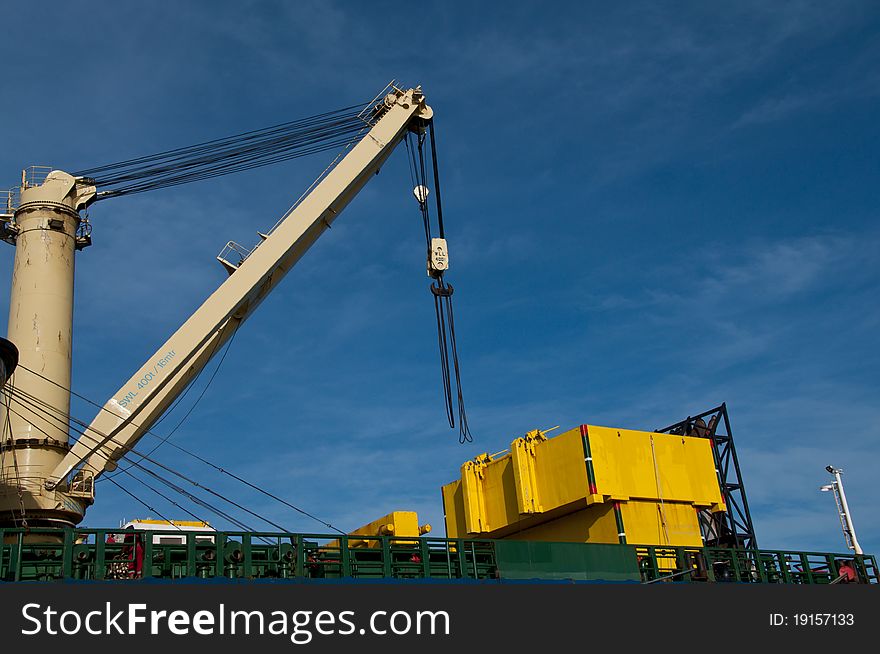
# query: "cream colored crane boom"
136,406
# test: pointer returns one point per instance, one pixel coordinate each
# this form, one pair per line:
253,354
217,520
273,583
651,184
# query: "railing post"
219,554
783,567
300,564
67,555
147,568
425,554
655,565
680,563
734,559
246,543
806,569
474,559
191,553
448,546
758,565
832,569
462,558
710,565
20,541
345,556
386,557
100,555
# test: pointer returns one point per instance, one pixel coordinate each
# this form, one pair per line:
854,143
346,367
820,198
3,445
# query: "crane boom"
139,403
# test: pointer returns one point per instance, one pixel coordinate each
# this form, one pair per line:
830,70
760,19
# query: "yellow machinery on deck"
588,485
402,524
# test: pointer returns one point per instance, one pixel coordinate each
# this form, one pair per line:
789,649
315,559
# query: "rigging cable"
441,291
165,438
165,497
194,498
212,145
34,407
187,494
137,499
185,451
440,229
8,431
223,156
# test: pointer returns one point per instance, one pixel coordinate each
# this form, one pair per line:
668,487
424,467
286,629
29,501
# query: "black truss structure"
734,527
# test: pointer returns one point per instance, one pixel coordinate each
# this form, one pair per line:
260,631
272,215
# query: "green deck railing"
751,566
107,554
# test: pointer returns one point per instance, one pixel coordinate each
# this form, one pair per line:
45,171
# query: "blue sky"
651,210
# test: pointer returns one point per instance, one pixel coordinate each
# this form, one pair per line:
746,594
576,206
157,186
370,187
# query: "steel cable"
239,152
164,439
441,291
35,407
180,448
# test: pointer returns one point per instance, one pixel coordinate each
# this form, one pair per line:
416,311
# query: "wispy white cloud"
720,279
818,90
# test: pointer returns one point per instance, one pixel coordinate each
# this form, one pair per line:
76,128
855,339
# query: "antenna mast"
849,531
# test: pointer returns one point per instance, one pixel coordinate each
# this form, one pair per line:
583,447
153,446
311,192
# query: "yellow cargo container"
590,484
403,524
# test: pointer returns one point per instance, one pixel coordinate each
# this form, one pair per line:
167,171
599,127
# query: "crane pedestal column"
34,431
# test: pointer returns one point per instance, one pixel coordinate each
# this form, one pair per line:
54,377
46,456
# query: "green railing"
751,566
106,554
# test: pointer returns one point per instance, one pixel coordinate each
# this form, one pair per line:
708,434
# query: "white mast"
849,531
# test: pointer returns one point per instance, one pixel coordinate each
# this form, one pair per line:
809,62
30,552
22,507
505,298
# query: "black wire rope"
265,492
444,358
185,451
195,498
164,439
34,407
198,147
8,430
25,402
137,499
442,292
163,496
463,426
239,152
440,229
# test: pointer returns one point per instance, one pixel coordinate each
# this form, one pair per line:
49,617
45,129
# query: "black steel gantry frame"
733,528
